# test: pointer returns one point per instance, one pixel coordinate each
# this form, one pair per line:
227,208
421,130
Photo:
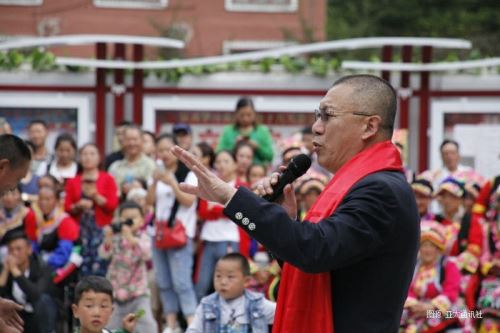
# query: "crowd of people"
456,283
77,215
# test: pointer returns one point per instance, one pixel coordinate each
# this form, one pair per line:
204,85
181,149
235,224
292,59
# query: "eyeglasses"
323,115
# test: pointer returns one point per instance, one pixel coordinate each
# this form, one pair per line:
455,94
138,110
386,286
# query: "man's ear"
372,127
248,279
74,307
4,164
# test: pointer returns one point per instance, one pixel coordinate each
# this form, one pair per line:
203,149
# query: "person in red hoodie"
91,198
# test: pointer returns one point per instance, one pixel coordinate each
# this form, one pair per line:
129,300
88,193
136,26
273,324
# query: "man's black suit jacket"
369,244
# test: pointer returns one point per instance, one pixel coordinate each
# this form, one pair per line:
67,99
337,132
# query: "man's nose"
318,127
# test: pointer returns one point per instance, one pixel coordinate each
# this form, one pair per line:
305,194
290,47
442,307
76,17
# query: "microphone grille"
300,164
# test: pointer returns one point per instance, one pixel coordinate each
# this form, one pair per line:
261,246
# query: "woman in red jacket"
91,198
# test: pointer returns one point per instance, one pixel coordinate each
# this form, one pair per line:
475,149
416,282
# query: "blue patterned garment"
91,236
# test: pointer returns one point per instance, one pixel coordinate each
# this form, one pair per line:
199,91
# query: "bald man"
349,264
15,159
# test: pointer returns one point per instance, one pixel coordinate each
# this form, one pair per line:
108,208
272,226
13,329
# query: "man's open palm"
11,321
210,187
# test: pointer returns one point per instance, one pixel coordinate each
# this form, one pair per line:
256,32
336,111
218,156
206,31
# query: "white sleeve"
197,323
269,310
112,171
42,169
150,181
191,179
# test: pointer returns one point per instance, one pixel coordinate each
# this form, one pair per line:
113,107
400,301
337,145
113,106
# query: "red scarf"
305,300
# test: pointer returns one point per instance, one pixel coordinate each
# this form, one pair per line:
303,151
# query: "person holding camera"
247,129
128,247
91,199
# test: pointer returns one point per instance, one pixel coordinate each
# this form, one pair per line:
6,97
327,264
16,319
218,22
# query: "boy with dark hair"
93,306
233,308
128,247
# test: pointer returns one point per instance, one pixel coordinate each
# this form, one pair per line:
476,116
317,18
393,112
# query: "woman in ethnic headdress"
489,296
432,305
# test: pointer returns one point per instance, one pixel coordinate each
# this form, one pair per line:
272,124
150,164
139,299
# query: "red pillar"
423,126
100,100
386,57
138,85
404,101
119,97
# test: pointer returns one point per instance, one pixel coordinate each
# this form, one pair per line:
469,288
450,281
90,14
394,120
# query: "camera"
117,227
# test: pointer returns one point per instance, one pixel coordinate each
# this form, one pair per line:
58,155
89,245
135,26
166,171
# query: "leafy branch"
319,65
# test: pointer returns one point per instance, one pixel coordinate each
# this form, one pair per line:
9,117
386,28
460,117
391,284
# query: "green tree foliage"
475,20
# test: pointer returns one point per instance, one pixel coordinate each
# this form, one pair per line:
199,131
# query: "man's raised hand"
210,187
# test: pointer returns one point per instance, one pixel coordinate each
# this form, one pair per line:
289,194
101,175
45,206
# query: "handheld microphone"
296,168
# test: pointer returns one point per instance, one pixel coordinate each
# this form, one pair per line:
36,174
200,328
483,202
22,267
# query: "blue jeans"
173,270
212,251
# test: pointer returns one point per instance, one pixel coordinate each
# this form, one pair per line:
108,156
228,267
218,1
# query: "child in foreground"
232,308
93,306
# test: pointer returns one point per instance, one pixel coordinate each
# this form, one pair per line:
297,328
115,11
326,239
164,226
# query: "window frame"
21,2
129,4
263,8
230,46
